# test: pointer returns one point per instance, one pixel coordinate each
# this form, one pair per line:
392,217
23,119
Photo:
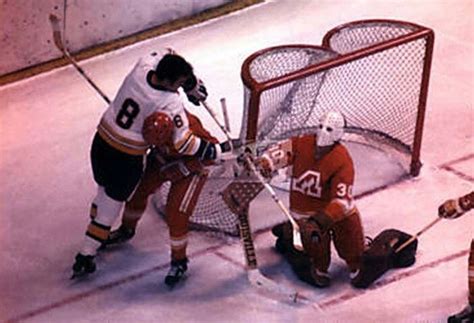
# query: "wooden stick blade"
297,242
263,283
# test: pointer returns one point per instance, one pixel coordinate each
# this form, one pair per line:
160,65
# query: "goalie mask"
330,129
158,129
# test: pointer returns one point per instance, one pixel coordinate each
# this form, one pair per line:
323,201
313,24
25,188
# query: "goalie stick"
58,41
237,196
255,277
297,242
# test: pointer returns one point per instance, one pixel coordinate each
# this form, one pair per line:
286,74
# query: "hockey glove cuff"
195,90
450,209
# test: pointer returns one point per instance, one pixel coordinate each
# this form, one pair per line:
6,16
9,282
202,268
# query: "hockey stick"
58,41
413,238
214,117
255,277
225,114
297,243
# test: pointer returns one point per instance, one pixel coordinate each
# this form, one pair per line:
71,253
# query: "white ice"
47,123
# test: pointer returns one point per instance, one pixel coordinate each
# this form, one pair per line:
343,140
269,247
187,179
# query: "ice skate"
176,272
83,266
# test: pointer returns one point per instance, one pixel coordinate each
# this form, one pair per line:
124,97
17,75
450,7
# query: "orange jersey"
323,184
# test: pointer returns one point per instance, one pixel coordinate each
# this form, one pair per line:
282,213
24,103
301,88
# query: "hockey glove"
195,90
265,166
262,164
449,210
231,144
324,223
312,236
454,208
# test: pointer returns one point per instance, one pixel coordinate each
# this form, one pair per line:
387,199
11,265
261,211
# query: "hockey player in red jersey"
320,199
452,209
187,176
119,148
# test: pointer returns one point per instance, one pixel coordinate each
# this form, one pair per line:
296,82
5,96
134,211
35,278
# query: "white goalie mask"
330,128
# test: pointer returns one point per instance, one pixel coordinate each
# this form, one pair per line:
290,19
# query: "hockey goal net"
375,72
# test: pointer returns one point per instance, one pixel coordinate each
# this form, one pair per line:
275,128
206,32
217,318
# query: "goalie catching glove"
195,90
262,164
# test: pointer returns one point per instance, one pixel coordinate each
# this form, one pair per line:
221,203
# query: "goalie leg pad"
317,246
406,256
284,233
283,230
299,261
305,269
381,256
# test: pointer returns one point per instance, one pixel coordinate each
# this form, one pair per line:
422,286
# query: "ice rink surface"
46,126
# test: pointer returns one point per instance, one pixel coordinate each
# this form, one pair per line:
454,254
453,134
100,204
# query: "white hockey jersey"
122,122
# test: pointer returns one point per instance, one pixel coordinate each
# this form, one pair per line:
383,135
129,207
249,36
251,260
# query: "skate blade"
172,285
79,275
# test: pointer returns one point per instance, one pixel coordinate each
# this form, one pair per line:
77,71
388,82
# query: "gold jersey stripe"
119,146
107,127
182,142
120,142
191,147
97,233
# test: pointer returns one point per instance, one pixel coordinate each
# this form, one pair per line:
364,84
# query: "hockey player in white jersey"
118,149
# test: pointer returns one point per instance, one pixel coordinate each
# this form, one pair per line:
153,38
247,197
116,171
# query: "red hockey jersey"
323,184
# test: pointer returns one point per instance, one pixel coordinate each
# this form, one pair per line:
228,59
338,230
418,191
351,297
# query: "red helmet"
158,129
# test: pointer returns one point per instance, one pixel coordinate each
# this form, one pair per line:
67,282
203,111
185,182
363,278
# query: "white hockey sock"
99,197
108,210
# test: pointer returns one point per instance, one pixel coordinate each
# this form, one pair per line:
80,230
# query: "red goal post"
376,72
